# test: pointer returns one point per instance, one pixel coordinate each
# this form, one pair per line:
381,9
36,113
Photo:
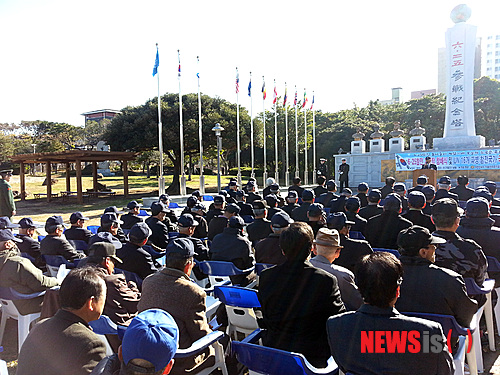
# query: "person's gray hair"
443,186
259,211
52,228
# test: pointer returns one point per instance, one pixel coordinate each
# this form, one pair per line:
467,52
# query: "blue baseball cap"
5,223
477,207
233,208
399,186
292,194
27,222
182,246
133,204
445,180
109,218
164,197
157,207
315,209
140,232
75,216
236,222
308,195
416,199
54,220
422,180
429,192
281,220
219,199
186,221
492,186
392,202
114,210
352,204
374,195
153,336
363,186
271,200
105,237
483,191
338,220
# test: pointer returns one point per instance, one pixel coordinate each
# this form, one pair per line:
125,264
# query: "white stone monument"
459,127
103,166
396,142
417,139
377,142
358,146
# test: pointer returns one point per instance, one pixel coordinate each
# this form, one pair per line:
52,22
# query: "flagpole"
287,166
306,180
238,176
200,132
161,181
276,173
264,176
181,132
314,139
296,136
251,134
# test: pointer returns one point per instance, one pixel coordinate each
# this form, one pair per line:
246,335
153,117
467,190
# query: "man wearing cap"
352,205
382,230
122,297
400,189
373,208
261,226
246,209
492,187
388,187
330,195
165,199
7,205
272,202
232,245
338,204
320,189
29,243
232,189
458,254
172,290
353,250
20,274
426,287
483,192
421,182
268,250
252,192
132,216
190,202
120,234
148,347
267,190
109,224
216,209
428,164
323,168
298,298
65,343
201,230
187,226
478,226
444,185
316,217
217,224
344,174
55,243
416,202
291,202
429,192
77,231
362,194
300,213
296,186
464,193
275,190
327,248
159,230
379,278
135,258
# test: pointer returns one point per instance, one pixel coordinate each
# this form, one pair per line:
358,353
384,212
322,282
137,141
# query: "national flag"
264,93
305,99
312,103
157,62
237,82
250,87
295,100
275,93
285,98
179,69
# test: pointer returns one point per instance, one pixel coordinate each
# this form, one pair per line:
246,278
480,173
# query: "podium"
430,173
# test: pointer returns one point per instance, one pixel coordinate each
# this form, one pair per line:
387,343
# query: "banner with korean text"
450,160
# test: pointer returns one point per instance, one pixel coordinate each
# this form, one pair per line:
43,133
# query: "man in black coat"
296,186
132,216
261,227
337,205
217,208
29,244
362,192
159,231
428,164
464,193
291,202
444,185
400,189
330,195
55,244
272,202
320,189
298,298
492,187
373,208
218,223
429,192
252,192
379,277
344,174
382,230
246,208
352,205
77,231
198,211
268,250
316,217
421,182
416,202
388,188
353,250
300,213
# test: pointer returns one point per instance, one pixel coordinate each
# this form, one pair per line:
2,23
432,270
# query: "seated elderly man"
29,243
416,203
77,231
352,335
316,217
65,343
159,229
261,226
110,224
298,298
172,290
218,223
426,287
132,216
268,250
55,243
20,274
148,347
373,208
327,248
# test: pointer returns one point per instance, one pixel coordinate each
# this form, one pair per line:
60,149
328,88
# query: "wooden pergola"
77,157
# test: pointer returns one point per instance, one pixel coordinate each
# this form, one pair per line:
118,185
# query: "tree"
53,136
487,107
94,131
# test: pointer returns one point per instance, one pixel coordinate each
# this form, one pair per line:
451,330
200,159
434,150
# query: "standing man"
428,164
323,168
7,205
344,174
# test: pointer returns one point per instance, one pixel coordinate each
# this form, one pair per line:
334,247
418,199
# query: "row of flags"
264,93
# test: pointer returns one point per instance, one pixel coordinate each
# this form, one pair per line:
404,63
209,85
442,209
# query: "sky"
60,58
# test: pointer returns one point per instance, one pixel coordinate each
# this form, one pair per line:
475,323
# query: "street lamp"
218,129
34,164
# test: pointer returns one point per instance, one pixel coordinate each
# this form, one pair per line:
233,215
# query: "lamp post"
218,130
34,164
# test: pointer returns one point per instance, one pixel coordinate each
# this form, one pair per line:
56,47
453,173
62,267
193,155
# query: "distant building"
491,57
421,93
396,97
100,115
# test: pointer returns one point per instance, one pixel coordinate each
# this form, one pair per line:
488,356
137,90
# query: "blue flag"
157,62
250,88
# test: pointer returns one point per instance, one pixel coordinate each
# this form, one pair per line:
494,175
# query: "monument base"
459,143
396,144
417,143
105,172
358,147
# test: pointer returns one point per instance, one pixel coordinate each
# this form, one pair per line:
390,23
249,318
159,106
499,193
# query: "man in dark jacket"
421,182
165,199
362,192
330,195
216,209
382,230
316,217
300,213
252,192
29,243
428,164
272,202
344,174
297,299
159,231
320,189
291,202
296,186
233,246
388,187
400,189
268,250
246,209
217,224
464,193
187,226
352,205
120,234
110,223
54,243
201,230
426,287
443,191
416,202
492,187
373,208
353,250
337,205
478,226
429,192
77,231
261,227
378,278
132,216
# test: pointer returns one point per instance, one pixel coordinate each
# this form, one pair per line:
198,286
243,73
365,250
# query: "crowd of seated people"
320,271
